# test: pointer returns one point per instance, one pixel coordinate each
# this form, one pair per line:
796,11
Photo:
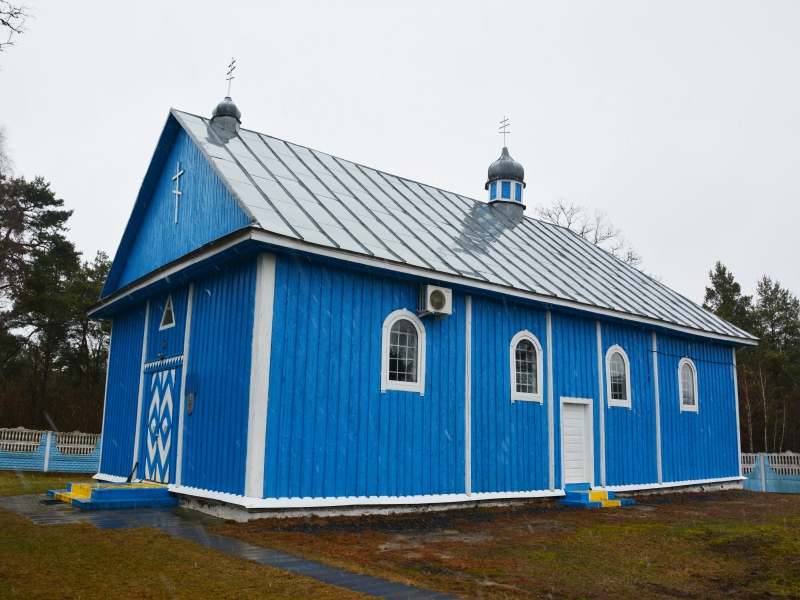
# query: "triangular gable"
206,210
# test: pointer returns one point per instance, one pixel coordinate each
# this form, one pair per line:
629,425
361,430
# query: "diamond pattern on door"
159,425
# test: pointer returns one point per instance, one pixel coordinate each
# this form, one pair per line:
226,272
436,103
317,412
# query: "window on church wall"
505,191
168,316
493,191
618,377
518,192
687,384
403,344
403,356
526,367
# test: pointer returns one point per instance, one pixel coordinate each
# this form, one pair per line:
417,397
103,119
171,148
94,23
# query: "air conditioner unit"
435,300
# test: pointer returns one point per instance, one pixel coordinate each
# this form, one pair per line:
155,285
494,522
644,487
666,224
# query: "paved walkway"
190,525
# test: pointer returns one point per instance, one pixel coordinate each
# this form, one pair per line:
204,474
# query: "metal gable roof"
314,197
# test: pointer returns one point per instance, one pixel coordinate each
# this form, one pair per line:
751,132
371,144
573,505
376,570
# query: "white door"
575,433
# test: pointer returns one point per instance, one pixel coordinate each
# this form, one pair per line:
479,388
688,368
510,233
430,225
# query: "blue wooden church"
291,329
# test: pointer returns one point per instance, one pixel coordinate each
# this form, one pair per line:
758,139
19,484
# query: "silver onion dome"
226,115
505,167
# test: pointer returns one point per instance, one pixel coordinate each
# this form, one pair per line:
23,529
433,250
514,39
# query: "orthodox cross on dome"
176,191
231,67
504,125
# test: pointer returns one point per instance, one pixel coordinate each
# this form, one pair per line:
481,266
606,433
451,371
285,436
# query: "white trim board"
110,478
266,503
601,403
658,409
260,235
105,396
259,376
187,334
551,445
137,433
666,484
468,399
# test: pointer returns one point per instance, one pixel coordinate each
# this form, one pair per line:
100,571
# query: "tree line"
768,374
52,356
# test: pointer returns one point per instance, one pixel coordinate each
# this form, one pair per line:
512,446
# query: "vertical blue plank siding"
169,341
701,445
575,376
122,392
207,212
631,432
509,441
330,430
215,434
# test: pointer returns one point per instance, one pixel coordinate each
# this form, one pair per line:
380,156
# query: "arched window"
526,367
618,377
687,384
403,356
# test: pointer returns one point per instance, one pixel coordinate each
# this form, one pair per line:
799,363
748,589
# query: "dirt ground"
731,544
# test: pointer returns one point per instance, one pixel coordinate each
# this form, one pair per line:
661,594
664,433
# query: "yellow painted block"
64,497
598,496
610,503
82,490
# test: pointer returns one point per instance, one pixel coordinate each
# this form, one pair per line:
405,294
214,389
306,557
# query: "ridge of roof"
315,197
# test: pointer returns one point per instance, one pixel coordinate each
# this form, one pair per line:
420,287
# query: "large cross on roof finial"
504,124
231,67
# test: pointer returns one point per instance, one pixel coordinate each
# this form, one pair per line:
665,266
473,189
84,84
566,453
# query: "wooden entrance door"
576,444
163,392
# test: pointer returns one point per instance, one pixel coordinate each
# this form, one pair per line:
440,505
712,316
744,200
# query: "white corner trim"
738,426
109,478
105,395
403,386
187,334
267,503
684,408
622,403
259,376
167,305
601,403
468,399
668,484
658,409
138,431
551,445
515,395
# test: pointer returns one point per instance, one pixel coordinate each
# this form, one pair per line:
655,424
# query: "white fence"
29,440
787,463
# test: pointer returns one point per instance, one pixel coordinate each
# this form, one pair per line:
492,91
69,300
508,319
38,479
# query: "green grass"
81,561
29,482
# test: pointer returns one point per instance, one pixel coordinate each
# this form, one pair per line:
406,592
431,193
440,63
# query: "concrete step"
96,496
580,495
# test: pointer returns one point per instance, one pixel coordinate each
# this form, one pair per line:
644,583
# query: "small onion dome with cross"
506,179
226,115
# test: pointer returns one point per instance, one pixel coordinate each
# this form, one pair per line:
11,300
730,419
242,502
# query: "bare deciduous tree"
594,227
12,20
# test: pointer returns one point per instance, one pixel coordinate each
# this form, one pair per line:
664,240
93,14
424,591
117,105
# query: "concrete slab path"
190,525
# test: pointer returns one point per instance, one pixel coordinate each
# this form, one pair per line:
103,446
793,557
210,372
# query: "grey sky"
681,120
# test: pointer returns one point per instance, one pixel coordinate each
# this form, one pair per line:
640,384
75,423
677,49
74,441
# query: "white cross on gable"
176,191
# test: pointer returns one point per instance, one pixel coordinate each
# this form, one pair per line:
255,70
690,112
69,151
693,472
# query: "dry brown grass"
713,545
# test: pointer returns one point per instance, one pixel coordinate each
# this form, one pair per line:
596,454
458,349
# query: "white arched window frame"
515,395
685,407
404,386
611,400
